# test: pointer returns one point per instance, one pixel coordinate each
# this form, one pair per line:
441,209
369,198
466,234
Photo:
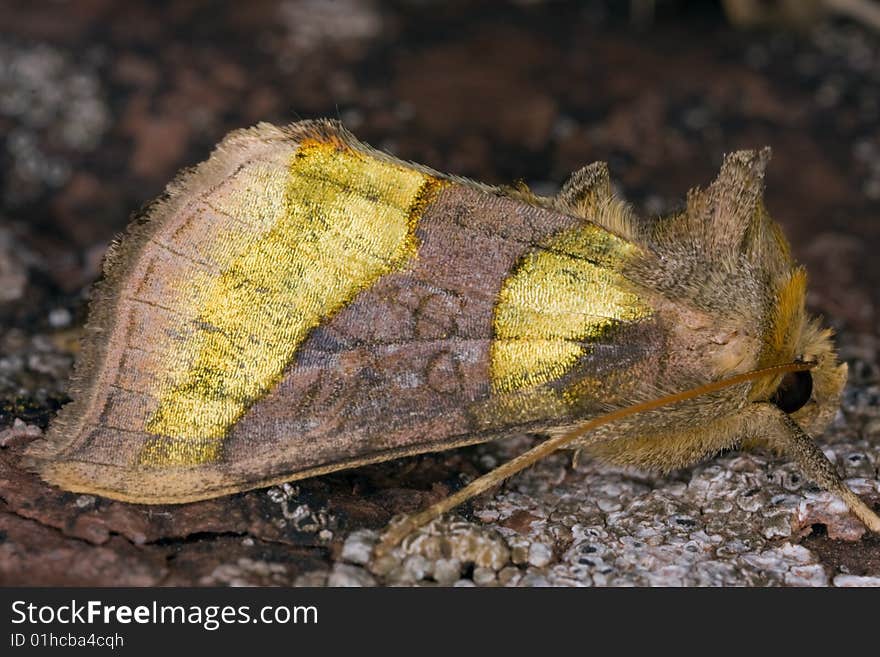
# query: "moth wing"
300,304
145,303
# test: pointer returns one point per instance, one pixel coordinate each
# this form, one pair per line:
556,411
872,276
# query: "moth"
301,303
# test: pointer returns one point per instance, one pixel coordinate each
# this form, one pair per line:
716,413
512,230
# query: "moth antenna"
491,479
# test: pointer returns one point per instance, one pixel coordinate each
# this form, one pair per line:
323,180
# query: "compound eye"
794,391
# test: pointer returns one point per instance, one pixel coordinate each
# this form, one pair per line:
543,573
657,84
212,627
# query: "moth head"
739,229
812,397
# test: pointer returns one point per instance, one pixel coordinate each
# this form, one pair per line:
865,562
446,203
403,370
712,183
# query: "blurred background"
101,102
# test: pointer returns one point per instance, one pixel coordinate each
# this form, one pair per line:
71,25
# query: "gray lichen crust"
736,520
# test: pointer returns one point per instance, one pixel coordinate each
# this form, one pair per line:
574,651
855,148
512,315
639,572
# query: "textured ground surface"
100,103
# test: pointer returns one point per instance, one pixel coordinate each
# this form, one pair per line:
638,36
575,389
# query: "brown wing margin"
119,262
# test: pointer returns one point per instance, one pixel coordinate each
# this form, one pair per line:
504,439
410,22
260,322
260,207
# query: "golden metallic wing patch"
560,299
345,220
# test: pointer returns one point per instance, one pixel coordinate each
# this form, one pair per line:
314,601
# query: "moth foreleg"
778,431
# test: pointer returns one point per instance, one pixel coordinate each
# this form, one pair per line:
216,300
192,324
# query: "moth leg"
576,457
783,435
479,485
